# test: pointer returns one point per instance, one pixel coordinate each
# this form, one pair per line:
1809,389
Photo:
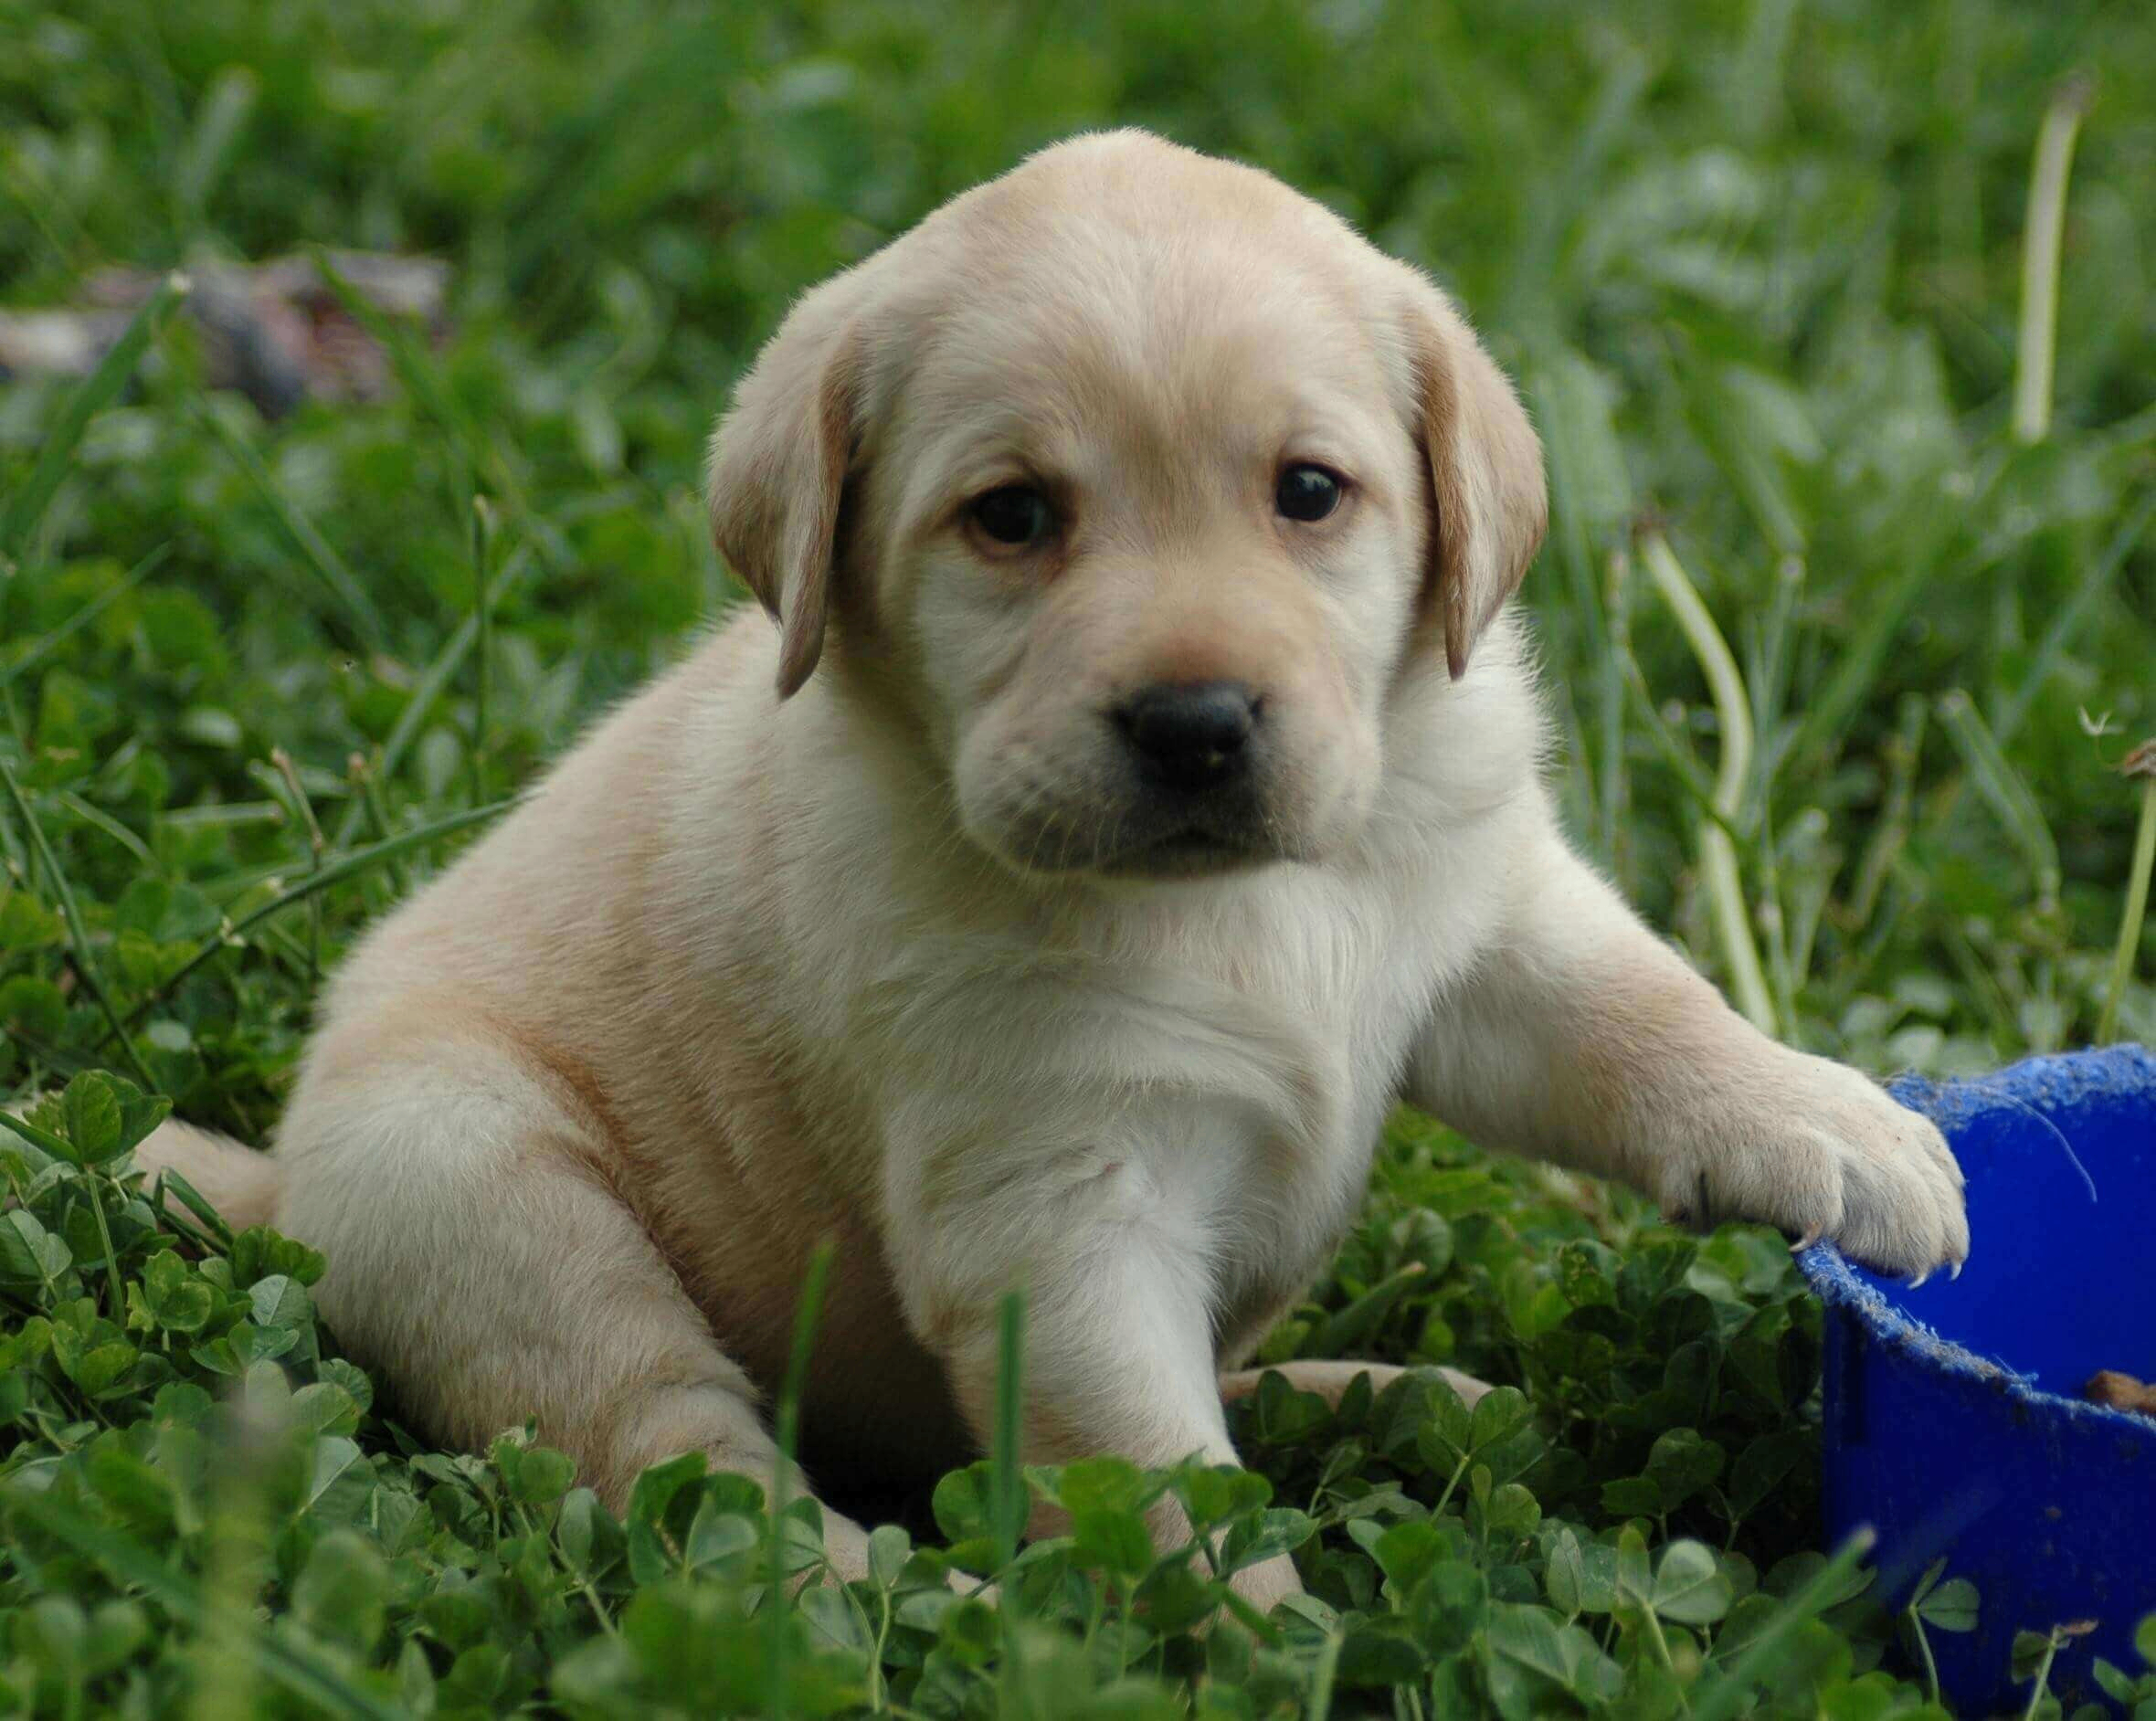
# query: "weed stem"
2141,763
71,917
2041,237
1718,851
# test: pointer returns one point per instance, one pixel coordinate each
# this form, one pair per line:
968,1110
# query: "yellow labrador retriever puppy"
1126,794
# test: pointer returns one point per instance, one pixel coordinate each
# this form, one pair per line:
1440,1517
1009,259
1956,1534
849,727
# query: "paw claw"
1805,1242
1919,1278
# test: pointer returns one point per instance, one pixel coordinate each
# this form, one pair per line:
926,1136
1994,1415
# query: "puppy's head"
1143,479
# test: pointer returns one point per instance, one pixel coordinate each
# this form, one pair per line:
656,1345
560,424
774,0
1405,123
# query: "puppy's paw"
1822,1152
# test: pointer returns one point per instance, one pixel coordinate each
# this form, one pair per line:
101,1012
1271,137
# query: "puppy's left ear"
1486,472
778,471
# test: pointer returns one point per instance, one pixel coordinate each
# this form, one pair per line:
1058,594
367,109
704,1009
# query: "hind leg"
478,1257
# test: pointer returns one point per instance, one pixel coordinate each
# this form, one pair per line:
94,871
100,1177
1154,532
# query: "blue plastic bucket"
1953,1424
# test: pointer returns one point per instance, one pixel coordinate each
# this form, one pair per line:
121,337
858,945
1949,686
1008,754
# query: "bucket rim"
2127,1071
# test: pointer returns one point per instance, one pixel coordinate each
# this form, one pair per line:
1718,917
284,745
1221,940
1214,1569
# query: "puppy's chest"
1316,1003
1223,1071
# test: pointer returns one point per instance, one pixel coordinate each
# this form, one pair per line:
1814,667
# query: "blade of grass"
92,1178
226,815
71,916
344,866
1773,926
51,215
44,1140
1324,1669
327,567
1616,765
1856,672
1890,829
1770,663
807,1310
1718,851
786,1430
439,673
297,1669
369,789
483,554
423,379
2003,791
1728,1694
211,1222
45,645
1538,266
1986,984
2067,623
26,507
288,774
52,1057
1861,659
2041,234
2140,763
652,71
1010,1482
1812,888
235,1524
97,819
1698,787
219,124
1340,1333
1590,501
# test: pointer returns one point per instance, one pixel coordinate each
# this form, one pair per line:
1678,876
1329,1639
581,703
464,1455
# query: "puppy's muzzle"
1190,738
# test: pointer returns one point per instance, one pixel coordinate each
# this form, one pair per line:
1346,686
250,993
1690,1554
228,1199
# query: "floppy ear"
779,461
1486,472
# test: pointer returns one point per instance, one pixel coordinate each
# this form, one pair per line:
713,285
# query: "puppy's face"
1155,548
1128,462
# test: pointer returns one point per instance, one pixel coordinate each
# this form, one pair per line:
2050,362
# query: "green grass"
1760,271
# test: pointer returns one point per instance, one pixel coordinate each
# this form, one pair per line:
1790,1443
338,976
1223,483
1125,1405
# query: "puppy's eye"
1306,493
1017,515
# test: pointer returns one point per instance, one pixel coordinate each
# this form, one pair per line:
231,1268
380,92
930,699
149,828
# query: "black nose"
1192,736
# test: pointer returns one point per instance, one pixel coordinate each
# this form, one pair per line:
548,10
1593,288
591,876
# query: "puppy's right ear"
779,461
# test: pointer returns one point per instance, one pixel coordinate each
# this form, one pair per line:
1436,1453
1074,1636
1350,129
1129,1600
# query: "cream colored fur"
889,954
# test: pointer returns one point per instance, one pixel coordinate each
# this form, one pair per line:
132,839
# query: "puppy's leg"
1116,1270
480,1259
1582,1038
1330,1380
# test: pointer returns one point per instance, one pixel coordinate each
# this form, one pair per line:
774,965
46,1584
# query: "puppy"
1126,792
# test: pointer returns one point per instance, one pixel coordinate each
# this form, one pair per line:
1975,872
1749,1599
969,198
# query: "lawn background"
1759,269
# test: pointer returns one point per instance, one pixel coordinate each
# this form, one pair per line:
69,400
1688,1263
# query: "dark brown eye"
1306,493
1017,515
